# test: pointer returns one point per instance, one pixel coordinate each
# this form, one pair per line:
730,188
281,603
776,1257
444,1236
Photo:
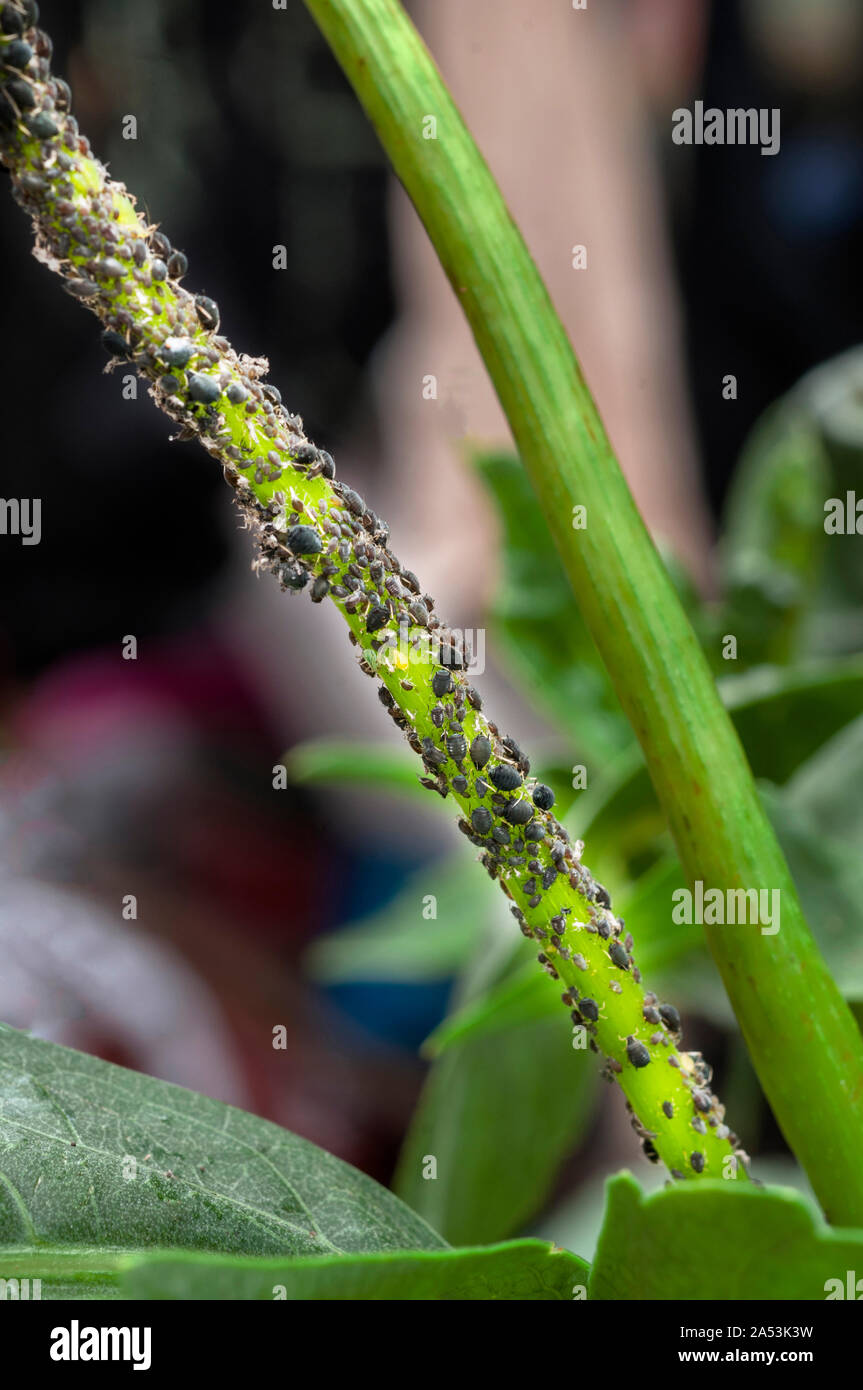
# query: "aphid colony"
316,533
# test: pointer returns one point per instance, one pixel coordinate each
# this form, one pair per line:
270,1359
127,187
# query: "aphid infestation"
653,761
312,531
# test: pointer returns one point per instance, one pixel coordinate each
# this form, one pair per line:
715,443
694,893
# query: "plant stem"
316,533
805,1046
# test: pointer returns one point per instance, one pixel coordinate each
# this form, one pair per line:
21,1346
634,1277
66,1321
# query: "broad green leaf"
773,536
92,1154
827,787
399,943
381,767
548,648
828,875
718,1240
526,1270
833,395
498,1114
782,718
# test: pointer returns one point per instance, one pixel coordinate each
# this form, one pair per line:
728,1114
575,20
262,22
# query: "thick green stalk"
316,533
803,1040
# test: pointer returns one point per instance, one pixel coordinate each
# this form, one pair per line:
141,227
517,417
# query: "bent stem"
803,1040
315,533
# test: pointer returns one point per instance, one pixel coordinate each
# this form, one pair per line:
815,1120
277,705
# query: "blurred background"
162,904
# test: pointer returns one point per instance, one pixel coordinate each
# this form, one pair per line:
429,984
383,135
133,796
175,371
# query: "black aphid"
670,1017
18,54
480,752
697,1161
204,389
82,289
177,352
518,812
668,1109
543,797
460,785
637,1052
207,311
441,683
303,540
456,746
115,343
22,93
534,832
589,1009
432,754
481,820
177,265
42,126
376,618
293,579
506,779
618,955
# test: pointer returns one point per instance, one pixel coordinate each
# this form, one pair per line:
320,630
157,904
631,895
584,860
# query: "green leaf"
499,1114
782,716
526,1270
773,537
717,1240
828,875
383,767
827,787
92,1154
398,943
547,646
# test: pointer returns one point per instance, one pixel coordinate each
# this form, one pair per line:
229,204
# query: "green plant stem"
806,1048
88,230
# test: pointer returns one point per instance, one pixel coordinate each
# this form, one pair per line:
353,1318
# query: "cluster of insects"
315,533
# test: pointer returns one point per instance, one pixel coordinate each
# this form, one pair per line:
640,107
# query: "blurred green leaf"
499,1114
382,767
828,875
829,786
773,535
527,1270
717,1240
536,621
399,943
783,716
